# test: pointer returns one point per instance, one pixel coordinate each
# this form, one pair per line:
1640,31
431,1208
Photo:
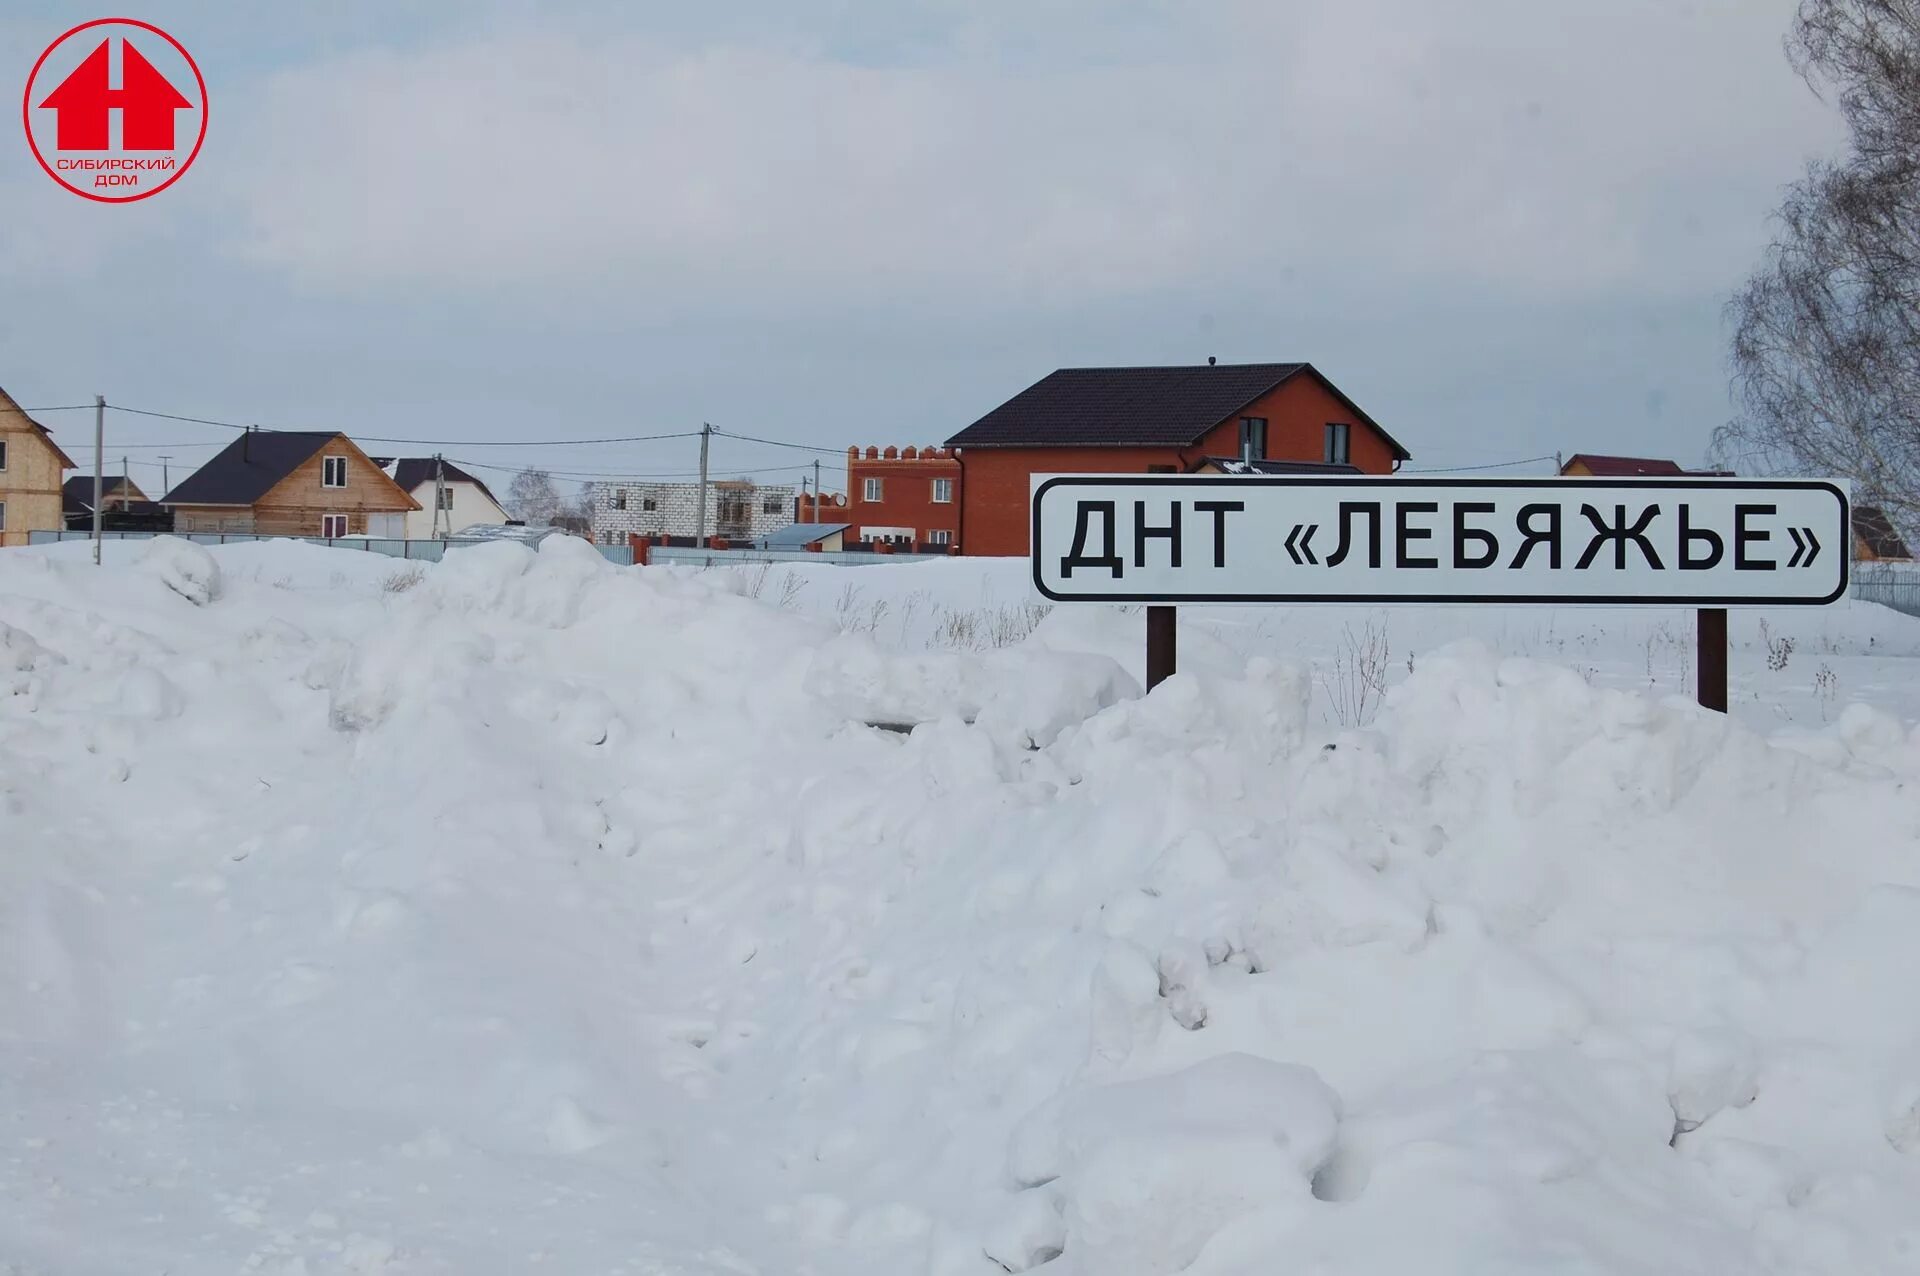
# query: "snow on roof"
503,532
800,534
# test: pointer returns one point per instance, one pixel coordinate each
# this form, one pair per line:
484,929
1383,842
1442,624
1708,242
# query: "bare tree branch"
1826,345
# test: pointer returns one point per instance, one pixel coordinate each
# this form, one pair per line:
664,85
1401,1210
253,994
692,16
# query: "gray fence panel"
671,556
1895,587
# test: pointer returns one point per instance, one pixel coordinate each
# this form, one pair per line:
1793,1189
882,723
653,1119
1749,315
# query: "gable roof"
77,492
1139,407
1873,528
247,468
1625,466
10,408
411,471
1234,465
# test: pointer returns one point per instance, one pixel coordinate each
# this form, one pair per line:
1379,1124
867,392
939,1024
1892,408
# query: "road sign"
1567,542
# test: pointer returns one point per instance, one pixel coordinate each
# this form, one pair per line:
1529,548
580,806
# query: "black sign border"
1240,482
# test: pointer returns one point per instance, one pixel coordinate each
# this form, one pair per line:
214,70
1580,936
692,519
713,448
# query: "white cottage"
463,500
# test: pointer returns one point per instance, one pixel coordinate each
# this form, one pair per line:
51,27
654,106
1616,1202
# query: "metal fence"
1889,584
1895,585
429,551
678,556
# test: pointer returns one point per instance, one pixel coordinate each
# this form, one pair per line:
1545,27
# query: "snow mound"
1144,1173
576,914
184,567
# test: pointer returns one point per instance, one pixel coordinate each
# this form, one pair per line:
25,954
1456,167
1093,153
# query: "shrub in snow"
184,567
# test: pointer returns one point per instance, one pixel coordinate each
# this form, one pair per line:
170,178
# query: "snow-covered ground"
527,914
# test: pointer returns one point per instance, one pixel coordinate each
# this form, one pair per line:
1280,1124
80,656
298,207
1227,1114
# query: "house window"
620,498
1253,438
937,537
772,505
647,503
3,516
943,491
1337,437
333,471
332,525
446,498
3,454
870,489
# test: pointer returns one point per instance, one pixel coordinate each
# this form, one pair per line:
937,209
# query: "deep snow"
529,914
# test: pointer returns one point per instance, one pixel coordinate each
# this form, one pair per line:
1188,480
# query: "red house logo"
107,73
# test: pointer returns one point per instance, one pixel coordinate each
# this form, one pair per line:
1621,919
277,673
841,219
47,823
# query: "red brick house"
1152,420
904,496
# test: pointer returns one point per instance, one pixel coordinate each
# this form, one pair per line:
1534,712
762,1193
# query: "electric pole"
126,483
165,485
99,483
816,491
439,495
700,535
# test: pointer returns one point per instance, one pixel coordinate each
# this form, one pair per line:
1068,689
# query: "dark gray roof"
411,471
247,468
76,493
1234,465
1872,526
1136,407
797,534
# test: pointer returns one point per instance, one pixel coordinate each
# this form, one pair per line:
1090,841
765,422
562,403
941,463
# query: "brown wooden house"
1875,539
31,467
291,483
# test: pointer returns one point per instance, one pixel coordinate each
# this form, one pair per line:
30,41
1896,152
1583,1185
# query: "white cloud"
1519,145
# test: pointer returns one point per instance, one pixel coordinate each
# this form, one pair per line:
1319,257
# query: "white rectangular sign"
1564,541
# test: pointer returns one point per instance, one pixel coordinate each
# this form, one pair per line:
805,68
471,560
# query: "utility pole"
816,491
700,535
99,483
165,484
439,495
126,482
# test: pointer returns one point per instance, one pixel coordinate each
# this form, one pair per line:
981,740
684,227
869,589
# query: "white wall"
470,506
676,510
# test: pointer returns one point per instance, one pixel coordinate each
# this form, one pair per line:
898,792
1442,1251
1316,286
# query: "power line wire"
372,438
803,447
1491,465
622,474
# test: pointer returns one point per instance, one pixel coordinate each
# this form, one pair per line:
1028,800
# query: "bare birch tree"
1826,348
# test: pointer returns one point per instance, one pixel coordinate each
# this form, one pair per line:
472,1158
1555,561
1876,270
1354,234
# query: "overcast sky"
1504,227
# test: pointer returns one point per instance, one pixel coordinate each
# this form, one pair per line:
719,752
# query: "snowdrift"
525,913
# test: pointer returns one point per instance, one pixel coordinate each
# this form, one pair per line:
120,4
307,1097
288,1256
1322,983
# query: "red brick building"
1146,420
903,497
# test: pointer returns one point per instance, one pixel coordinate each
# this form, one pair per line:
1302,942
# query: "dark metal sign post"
1711,659
1705,544
1162,644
